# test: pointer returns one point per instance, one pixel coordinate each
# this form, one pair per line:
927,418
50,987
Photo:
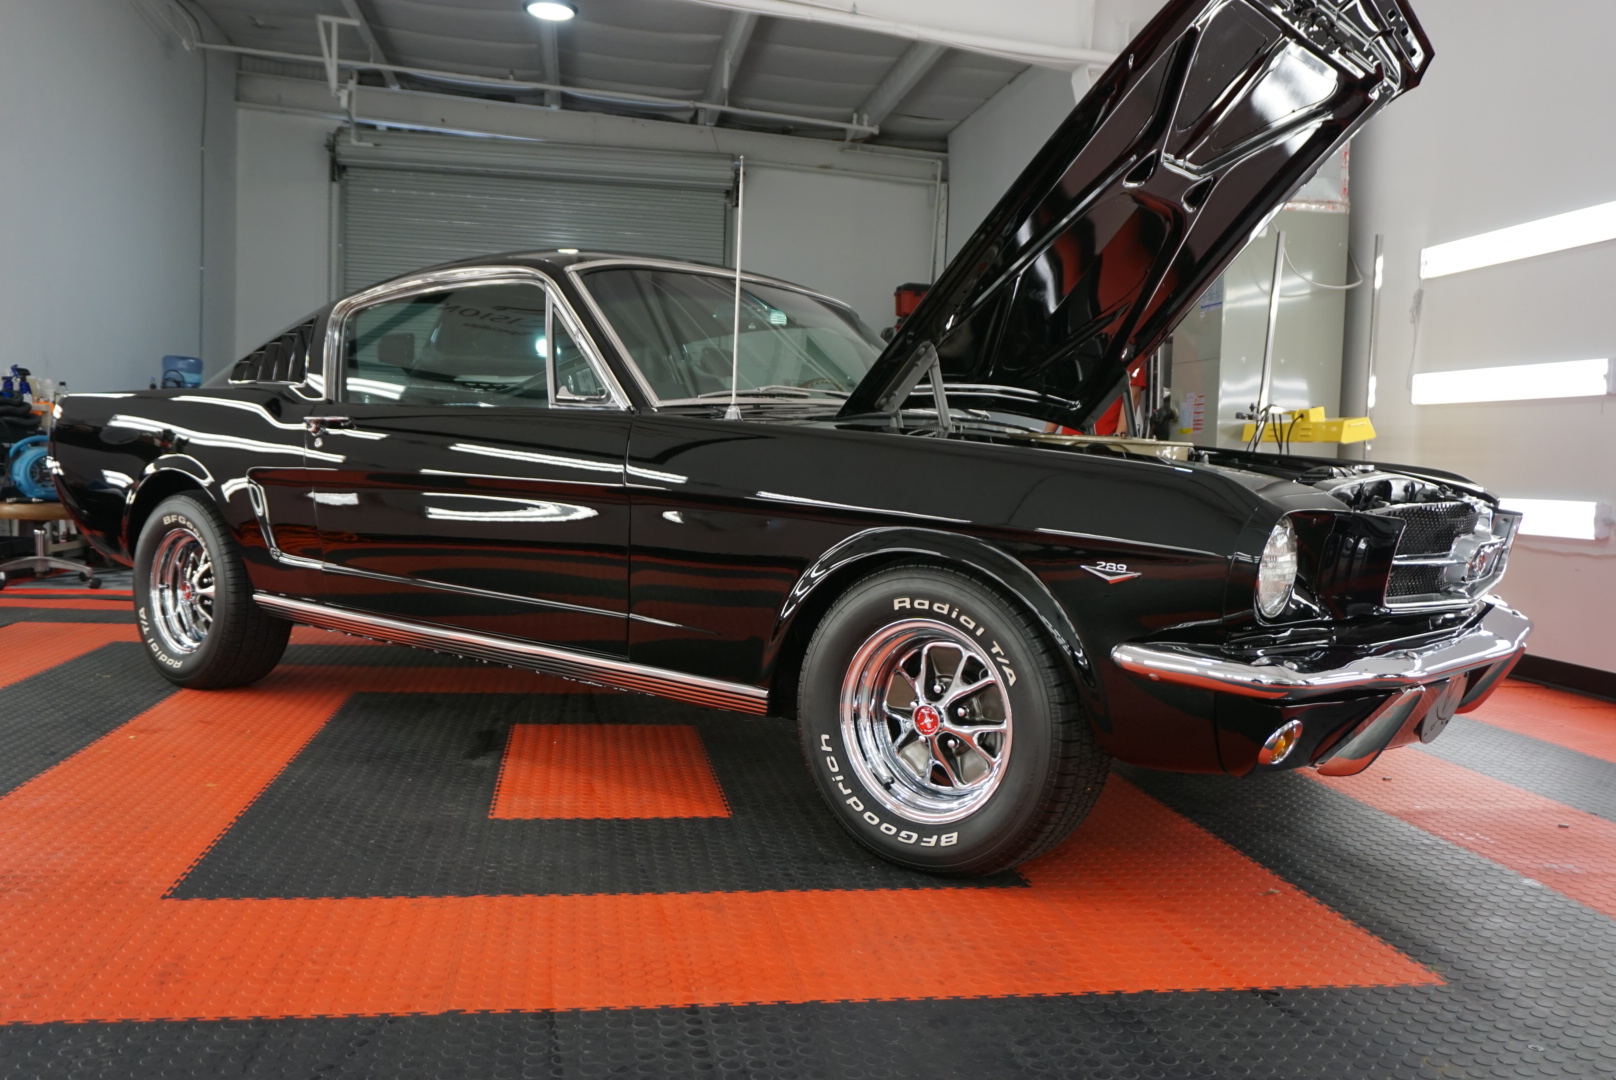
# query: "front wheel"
194,601
942,726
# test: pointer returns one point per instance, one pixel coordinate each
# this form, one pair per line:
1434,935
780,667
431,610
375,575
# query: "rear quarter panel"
116,452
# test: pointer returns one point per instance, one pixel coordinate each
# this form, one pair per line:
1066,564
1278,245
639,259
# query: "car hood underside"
1213,117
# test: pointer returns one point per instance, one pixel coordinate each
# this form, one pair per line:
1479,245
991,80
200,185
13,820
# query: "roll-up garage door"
410,201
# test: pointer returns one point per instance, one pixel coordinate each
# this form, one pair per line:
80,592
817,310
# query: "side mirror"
396,350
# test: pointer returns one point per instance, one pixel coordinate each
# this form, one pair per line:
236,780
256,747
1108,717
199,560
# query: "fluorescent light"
551,11
566,251
1570,519
1516,382
1592,225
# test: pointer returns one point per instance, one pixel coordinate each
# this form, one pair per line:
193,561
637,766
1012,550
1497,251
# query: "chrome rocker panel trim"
580,667
1500,635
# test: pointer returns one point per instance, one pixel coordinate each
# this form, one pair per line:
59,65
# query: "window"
478,346
679,328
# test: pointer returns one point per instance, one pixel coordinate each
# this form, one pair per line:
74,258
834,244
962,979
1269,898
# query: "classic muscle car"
969,601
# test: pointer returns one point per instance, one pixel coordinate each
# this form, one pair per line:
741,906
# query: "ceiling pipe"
900,78
507,85
368,36
727,64
1026,52
550,61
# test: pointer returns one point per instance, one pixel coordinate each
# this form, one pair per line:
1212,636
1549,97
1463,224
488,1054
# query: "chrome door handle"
316,425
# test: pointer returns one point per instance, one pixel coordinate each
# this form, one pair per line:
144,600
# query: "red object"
907,298
606,771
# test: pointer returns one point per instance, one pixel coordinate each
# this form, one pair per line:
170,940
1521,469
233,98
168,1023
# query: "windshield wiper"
776,391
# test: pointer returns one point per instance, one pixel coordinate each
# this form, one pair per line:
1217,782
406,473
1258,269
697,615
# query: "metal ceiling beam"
979,33
727,64
459,114
900,78
505,86
550,61
368,36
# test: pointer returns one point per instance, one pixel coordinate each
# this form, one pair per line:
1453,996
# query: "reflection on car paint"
561,460
205,438
526,509
800,500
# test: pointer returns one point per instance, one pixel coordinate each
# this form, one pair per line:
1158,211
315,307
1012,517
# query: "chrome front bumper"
1496,642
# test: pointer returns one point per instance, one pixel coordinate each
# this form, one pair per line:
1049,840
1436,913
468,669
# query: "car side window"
575,380
479,346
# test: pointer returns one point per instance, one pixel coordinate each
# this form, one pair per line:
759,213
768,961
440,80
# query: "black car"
574,463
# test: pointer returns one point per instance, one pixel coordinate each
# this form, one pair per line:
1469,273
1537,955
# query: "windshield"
678,327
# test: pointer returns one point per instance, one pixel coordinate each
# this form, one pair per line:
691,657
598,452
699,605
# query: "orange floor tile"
1141,899
606,771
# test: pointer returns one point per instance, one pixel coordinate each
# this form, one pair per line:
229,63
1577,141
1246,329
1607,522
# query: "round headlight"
1276,573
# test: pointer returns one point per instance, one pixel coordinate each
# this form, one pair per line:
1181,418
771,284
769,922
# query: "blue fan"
30,473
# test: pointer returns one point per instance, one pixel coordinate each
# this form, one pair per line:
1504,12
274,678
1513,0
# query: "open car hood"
1209,122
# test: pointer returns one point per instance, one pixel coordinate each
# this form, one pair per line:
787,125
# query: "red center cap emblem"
927,720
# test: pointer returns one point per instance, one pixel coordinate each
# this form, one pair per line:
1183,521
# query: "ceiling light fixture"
1515,382
1579,228
551,10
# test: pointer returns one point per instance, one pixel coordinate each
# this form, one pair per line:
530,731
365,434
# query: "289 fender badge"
1111,572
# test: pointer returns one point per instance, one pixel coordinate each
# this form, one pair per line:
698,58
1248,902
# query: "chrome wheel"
182,591
926,721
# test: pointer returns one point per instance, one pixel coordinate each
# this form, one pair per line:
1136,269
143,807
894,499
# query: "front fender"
831,569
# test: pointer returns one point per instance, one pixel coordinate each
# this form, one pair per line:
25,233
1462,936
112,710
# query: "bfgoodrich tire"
194,602
942,726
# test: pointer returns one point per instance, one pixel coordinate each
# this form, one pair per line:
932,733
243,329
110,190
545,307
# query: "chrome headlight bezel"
1277,571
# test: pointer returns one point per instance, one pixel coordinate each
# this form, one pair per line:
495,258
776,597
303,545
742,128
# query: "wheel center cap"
927,720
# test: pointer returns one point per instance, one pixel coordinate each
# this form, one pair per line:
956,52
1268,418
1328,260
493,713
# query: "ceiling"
665,48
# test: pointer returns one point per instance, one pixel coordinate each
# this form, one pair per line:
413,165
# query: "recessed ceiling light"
551,10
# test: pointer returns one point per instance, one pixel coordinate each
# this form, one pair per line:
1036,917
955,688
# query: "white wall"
104,227
988,150
283,229
854,238
1478,147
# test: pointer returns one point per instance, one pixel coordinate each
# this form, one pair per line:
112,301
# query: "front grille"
1431,528
1417,580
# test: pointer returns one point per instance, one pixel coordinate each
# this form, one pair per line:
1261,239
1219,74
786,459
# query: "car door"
480,476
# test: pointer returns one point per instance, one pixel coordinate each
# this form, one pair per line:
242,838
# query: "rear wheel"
194,601
942,726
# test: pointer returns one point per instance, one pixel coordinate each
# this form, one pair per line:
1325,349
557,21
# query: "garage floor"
384,863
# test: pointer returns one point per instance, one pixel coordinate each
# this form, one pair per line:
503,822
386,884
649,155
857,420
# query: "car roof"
556,261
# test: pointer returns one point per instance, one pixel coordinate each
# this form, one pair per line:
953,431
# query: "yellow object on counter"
1311,426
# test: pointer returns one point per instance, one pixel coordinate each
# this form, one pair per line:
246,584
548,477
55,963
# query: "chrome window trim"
583,667
436,281
575,271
